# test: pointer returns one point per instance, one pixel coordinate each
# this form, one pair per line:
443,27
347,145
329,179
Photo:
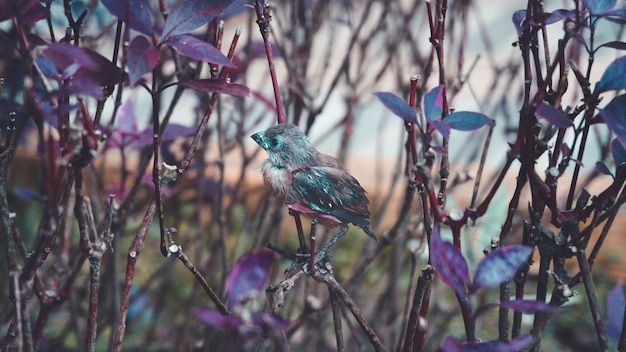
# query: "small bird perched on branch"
311,182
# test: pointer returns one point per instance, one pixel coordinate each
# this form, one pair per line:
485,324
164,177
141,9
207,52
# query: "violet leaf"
142,58
397,105
449,263
214,318
518,344
466,120
249,274
93,66
614,45
216,85
529,306
614,77
191,14
500,265
614,115
433,103
554,116
197,49
136,14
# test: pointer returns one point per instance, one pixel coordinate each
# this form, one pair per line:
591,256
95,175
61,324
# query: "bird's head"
285,144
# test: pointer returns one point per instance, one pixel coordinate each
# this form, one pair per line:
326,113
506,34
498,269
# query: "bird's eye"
274,142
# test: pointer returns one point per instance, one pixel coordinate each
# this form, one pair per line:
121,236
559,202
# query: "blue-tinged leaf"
614,115
396,105
249,274
554,116
618,16
558,15
599,7
466,120
529,306
136,14
518,18
433,103
500,265
216,85
197,49
191,14
449,263
615,302
603,169
441,127
614,77
142,58
618,151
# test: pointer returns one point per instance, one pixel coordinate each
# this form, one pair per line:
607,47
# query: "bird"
311,182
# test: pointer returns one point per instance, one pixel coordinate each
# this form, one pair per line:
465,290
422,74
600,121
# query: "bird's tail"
369,232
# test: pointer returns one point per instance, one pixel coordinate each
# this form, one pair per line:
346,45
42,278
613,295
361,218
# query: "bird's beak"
259,137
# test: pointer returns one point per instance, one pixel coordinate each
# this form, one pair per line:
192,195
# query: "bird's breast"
278,180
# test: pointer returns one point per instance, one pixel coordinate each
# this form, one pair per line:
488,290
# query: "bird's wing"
331,190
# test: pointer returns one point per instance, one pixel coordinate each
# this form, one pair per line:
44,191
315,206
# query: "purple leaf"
398,106
500,265
216,85
93,66
529,306
449,263
82,86
518,344
191,14
565,150
433,103
174,131
614,114
614,77
615,45
599,7
197,49
554,116
142,58
603,169
615,301
214,318
28,11
618,151
249,274
440,126
136,14
467,120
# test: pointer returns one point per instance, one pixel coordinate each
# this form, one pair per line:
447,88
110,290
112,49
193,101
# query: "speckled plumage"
299,174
